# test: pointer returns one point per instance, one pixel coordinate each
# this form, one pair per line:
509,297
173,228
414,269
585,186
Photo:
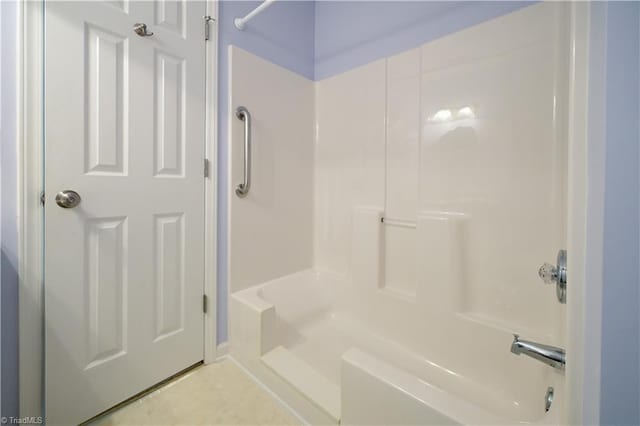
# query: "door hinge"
206,167
204,303
207,32
42,198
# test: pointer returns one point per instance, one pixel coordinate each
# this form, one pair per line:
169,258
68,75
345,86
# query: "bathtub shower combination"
384,248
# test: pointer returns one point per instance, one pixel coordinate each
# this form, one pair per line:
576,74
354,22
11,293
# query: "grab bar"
398,222
243,188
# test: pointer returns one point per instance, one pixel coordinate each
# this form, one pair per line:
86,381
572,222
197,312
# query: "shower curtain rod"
241,22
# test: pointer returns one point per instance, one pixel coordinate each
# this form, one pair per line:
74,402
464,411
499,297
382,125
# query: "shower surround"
389,247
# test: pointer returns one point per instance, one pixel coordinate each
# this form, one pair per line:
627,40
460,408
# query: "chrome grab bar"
403,223
243,188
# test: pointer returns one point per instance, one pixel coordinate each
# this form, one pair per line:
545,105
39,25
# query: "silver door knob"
68,199
556,274
141,30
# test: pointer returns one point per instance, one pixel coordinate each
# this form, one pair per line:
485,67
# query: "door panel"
168,271
124,270
106,287
169,118
106,125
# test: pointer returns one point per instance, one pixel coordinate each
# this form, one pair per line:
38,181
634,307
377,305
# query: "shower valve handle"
548,273
556,274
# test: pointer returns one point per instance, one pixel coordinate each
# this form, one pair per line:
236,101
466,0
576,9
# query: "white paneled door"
124,268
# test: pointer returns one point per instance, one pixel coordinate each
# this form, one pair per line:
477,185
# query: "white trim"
585,212
30,214
211,188
227,141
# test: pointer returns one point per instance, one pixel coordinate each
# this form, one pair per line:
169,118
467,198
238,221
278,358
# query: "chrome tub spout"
549,355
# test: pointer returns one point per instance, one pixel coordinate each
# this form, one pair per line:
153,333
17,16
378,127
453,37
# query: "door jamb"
586,179
30,180
211,186
29,134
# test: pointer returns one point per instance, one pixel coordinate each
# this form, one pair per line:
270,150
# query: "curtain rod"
241,22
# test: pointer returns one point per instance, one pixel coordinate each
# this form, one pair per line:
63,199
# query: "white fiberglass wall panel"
493,149
271,229
461,144
350,114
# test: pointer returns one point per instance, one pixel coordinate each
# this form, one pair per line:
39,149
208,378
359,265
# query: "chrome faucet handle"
556,274
548,273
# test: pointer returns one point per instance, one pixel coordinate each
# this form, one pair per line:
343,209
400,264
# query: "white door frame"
30,181
586,180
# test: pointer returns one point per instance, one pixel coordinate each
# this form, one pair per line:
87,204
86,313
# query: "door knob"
141,30
68,199
556,274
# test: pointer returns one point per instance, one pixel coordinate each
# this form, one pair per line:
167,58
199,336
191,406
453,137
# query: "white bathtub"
331,349
433,230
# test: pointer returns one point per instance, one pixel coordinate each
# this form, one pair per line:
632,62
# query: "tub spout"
550,355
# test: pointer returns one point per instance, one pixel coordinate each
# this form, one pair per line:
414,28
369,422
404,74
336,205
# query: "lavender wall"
353,33
620,362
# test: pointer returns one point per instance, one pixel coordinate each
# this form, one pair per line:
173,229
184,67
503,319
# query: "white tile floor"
215,394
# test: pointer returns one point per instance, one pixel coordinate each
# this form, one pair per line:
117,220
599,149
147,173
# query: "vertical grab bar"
243,188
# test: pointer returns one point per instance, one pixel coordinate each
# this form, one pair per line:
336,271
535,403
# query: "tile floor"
215,394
